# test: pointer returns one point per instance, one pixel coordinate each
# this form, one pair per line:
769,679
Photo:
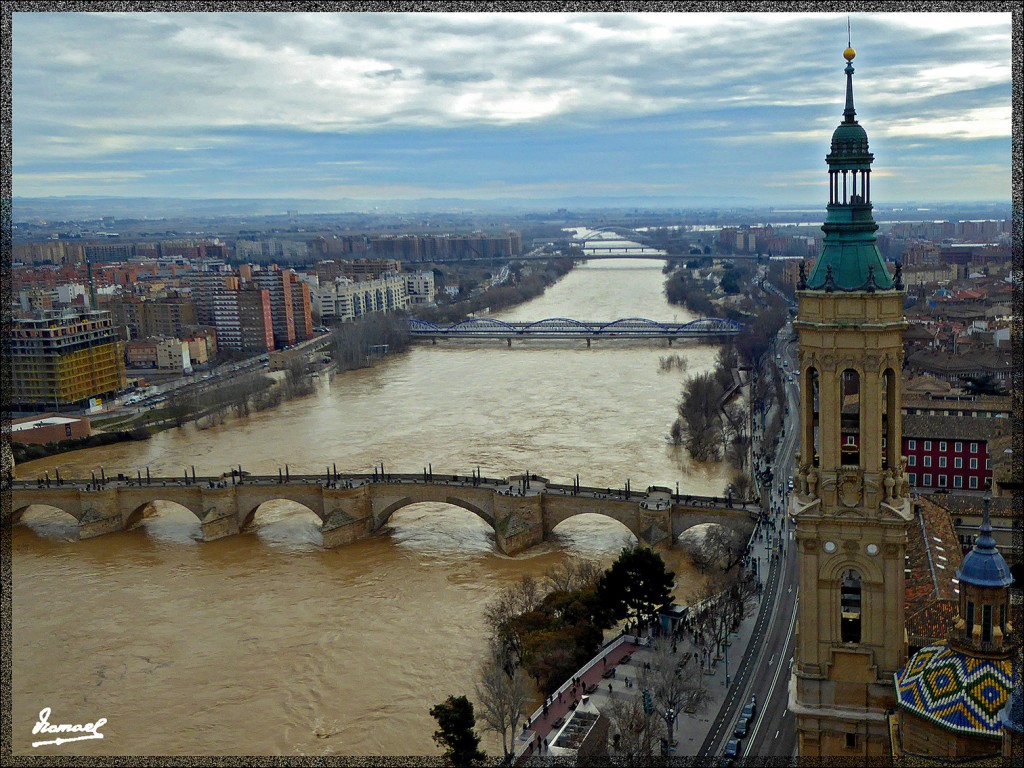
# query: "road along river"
265,643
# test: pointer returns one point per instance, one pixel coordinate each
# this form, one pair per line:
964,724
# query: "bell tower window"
850,607
849,394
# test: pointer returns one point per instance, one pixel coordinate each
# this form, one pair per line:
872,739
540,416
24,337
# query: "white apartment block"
173,354
345,299
420,287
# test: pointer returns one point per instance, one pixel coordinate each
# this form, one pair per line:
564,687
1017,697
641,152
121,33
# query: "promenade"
626,655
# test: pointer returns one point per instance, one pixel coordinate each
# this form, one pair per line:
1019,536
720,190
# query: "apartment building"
345,299
64,357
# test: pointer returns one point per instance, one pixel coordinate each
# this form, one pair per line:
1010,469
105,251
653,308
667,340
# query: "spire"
984,566
850,259
849,114
985,541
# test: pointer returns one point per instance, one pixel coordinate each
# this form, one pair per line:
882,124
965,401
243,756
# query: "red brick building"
950,451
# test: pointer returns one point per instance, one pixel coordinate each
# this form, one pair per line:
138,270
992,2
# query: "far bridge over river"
705,329
522,510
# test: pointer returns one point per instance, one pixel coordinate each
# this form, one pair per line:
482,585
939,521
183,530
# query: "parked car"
732,749
741,728
748,711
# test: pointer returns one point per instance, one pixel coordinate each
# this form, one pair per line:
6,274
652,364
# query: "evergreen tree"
455,720
636,586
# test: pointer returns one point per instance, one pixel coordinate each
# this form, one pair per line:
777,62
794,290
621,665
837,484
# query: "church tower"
850,503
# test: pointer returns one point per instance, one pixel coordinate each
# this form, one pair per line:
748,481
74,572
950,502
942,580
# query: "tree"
983,384
632,732
670,686
180,407
636,586
510,604
502,694
572,573
701,416
455,732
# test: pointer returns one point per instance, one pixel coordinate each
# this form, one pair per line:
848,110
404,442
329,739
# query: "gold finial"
849,53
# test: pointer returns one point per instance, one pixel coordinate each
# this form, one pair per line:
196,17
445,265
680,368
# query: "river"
264,643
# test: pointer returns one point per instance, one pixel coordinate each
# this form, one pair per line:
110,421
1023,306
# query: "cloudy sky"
520,105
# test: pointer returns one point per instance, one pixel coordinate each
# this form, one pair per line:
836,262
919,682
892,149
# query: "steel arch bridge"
705,328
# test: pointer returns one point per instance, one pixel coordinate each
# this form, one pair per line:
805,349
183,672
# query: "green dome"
850,139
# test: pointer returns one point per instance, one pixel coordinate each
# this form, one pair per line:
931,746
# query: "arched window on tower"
810,400
850,607
891,448
849,394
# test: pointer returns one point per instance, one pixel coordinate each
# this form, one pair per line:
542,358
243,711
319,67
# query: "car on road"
748,711
732,749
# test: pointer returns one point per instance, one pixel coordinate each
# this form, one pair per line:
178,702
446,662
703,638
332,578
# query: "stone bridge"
522,510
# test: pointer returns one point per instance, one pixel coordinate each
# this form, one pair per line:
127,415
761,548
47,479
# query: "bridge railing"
124,479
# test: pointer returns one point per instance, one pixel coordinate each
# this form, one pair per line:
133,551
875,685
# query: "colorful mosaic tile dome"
959,692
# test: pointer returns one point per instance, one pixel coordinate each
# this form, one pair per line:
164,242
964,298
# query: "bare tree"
740,487
502,694
571,574
633,732
673,688
180,407
516,599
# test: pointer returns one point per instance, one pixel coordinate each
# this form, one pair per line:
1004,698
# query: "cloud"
225,89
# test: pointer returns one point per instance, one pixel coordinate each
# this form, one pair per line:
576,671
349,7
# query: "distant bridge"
522,510
703,329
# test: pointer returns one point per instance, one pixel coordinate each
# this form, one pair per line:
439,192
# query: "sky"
395,106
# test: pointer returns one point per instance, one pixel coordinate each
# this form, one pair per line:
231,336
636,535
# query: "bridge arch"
634,324
591,529
712,324
416,324
18,514
385,514
139,512
482,324
47,521
250,516
556,323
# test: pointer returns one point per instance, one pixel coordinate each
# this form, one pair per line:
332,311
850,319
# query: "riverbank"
23,453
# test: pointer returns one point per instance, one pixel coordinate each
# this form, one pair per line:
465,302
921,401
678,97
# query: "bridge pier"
588,342
217,525
509,342
342,528
101,513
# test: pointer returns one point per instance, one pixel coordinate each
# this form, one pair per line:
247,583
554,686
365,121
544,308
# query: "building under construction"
64,357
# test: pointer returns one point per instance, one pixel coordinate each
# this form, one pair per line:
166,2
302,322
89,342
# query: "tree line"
355,343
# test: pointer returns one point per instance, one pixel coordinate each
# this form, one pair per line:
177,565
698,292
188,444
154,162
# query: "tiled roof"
931,623
933,555
959,504
919,426
961,693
